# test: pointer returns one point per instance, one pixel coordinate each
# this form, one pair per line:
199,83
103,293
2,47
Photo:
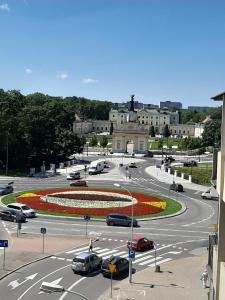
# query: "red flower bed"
140,208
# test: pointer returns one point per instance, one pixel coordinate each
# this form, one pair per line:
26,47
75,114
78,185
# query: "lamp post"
50,287
131,228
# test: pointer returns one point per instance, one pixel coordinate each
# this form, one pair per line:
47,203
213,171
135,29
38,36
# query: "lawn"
201,174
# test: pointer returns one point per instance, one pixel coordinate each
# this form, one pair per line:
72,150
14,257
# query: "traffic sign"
87,218
43,230
112,268
131,254
4,243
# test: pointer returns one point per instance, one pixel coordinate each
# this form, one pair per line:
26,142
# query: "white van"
96,167
210,194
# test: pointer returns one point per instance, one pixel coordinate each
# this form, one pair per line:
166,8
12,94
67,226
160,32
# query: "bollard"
157,269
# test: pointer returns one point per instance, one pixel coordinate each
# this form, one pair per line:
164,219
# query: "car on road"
120,219
86,262
79,183
120,265
140,244
191,163
20,207
177,187
6,189
73,176
14,216
132,165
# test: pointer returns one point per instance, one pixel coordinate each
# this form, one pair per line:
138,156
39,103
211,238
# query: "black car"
132,165
176,187
191,163
119,219
7,189
119,264
14,216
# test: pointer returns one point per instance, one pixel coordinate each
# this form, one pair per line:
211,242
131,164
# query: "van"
86,262
73,176
210,194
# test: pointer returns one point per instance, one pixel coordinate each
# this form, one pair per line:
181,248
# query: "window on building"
183,131
101,128
118,145
106,128
121,116
142,122
141,146
156,123
151,117
113,116
157,117
164,118
121,122
151,123
188,132
179,131
175,131
164,123
146,117
97,128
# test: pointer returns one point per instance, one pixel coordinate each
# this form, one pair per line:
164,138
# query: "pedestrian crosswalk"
144,259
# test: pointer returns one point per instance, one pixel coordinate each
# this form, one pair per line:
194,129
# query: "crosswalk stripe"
102,250
119,254
150,260
142,258
140,255
78,249
161,262
174,252
108,252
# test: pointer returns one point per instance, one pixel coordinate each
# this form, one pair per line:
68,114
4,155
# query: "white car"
26,210
73,176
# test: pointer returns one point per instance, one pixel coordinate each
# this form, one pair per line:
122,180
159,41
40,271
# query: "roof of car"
83,254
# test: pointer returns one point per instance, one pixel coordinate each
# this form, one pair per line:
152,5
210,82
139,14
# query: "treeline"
38,127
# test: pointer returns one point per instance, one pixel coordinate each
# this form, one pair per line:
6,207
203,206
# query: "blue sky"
158,50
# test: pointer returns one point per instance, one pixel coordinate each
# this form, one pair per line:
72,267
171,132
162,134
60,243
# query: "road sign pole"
130,271
43,245
4,259
111,286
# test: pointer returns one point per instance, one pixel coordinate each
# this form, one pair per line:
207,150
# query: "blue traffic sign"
43,230
131,254
87,218
4,243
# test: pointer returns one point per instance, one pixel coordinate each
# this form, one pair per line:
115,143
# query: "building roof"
220,97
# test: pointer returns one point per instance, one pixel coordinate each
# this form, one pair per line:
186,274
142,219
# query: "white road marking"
40,280
142,258
15,283
175,252
119,254
53,282
70,288
150,260
161,262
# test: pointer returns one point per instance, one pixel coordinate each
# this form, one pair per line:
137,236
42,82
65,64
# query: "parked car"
26,210
132,165
14,216
149,154
141,244
120,219
86,262
73,176
177,187
210,194
191,163
121,266
79,183
6,189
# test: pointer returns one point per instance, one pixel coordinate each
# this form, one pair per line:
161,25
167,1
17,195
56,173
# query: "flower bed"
94,202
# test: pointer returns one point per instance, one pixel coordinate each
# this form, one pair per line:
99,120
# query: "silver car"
26,210
86,262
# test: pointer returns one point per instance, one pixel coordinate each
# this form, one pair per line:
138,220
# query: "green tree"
94,141
212,133
166,131
152,131
104,141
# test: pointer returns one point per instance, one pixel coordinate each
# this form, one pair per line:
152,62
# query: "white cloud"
28,71
89,81
62,75
5,7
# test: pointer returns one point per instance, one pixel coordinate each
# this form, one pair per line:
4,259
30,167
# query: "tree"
152,131
212,133
103,141
111,128
166,131
94,141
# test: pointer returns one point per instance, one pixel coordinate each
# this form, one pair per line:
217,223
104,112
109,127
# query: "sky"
159,50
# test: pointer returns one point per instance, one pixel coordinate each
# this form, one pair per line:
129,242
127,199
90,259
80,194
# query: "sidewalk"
27,248
178,280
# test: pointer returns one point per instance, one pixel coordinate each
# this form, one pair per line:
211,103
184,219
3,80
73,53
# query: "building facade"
170,105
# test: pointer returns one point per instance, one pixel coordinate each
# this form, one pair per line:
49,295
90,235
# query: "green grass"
201,174
172,207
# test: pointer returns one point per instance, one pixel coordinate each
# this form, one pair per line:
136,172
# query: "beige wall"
222,281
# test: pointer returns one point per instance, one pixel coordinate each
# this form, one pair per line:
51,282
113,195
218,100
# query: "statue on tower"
132,103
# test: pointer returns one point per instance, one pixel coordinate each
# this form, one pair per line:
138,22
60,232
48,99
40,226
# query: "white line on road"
150,260
70,288
161,262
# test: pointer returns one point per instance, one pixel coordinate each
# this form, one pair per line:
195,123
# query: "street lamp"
132,226
49,287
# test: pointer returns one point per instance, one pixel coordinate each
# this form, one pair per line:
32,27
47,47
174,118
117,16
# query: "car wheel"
110,223
129,224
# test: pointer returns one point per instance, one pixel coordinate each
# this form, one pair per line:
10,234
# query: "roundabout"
96,203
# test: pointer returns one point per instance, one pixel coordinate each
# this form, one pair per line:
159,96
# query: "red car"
79,183
140,244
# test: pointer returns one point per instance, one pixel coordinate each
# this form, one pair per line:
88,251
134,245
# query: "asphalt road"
175,237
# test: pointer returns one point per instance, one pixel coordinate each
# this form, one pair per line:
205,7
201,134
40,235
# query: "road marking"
150,260
14,284
40,280
70,288
119,254
142,258
82,249
52,282
159,263
175,252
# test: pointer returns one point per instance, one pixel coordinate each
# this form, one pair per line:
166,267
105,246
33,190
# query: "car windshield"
79,260
24,207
